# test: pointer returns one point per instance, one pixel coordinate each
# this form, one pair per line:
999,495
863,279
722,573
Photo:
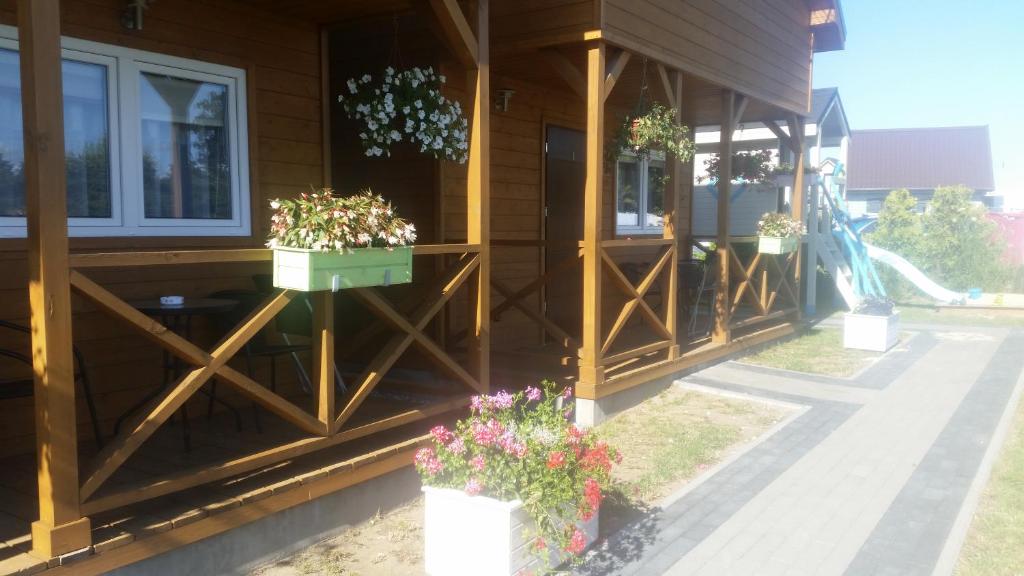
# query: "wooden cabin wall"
282,59
515,22
761,49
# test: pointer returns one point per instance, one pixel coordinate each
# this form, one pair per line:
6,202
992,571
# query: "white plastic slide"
915,276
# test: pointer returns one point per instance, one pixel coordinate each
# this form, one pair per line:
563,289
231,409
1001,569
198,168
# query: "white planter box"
479,536
313,270
876,333
777,245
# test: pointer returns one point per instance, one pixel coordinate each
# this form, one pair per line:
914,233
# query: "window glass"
655,208
628,192
12,153
86,139
186,153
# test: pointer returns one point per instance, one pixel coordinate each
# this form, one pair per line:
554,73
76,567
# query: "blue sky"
912,63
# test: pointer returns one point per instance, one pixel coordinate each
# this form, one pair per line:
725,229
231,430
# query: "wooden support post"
478,204
796,134
591,370
60,528
720,332
673,226
323,338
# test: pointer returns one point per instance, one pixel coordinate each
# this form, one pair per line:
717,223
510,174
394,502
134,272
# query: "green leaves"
321,221
657,129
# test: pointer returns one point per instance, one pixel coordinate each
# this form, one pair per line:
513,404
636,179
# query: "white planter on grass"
875,333
479,536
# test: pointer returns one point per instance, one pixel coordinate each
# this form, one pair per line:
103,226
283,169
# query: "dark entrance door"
565,178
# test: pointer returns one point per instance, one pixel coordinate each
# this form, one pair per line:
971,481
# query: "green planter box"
776,245
312,270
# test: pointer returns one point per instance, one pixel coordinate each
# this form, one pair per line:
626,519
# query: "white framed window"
640,194
156,145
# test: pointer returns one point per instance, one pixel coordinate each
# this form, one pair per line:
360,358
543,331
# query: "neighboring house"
177,134
827,139
920,160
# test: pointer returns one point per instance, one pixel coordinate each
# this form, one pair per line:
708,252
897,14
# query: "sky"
927,63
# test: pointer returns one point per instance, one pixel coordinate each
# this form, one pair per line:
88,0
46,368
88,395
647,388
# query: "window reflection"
86,139
186,151
628,187
655,194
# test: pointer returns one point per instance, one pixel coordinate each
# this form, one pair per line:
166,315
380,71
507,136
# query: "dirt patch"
666,441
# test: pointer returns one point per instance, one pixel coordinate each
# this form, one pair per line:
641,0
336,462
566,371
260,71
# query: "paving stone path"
869,479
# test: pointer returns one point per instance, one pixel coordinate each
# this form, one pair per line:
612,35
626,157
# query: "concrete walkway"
869,479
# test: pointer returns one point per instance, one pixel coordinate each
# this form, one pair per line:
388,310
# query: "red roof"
921,159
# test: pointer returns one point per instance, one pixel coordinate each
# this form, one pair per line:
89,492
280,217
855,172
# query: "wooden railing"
328,427
663,264
765,282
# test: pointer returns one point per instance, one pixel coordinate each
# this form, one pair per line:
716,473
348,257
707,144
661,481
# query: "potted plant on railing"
656,129
783,174
874,324
751,167
514,487
777,233
325,242
407,106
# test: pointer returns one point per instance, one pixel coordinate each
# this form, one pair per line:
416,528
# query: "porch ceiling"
702,98
324,12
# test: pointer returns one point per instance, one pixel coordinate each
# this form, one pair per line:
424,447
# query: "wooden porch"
408,357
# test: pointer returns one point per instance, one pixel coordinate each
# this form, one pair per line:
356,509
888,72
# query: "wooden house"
522,271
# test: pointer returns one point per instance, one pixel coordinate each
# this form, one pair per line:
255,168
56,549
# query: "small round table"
178,318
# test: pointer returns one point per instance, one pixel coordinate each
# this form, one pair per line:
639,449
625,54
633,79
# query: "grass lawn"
818,351
995,543
960,316
665,442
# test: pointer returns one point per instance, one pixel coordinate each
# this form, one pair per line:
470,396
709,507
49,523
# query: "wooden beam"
478,207
563,337
796,130
784,138
720,332
668,82
591,370
615,68
60,527
673,196
741,108
458,34
323,357
567,70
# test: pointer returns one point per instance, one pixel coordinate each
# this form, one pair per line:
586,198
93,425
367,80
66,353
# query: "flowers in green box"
407,106
778,225
319,220
524,446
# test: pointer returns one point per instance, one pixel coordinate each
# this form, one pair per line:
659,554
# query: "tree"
898,230
959,245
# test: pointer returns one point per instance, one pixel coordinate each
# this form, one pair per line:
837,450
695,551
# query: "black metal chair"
295,319
22,386
698,285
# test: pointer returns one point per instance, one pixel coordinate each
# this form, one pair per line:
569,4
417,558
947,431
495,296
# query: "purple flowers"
532,393
427,461
473,487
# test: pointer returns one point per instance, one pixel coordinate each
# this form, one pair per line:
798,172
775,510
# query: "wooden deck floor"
213,440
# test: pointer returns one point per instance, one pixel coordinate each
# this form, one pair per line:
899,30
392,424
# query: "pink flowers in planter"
521,446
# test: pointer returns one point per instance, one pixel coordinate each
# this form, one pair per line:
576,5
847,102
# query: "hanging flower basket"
321,242
407,106
778,234
656,129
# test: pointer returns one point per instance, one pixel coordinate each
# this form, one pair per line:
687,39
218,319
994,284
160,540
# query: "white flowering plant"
319,220
778,225
407,106
524,446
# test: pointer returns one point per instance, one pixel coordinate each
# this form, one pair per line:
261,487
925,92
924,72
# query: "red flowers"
577,543
597,458
556,459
